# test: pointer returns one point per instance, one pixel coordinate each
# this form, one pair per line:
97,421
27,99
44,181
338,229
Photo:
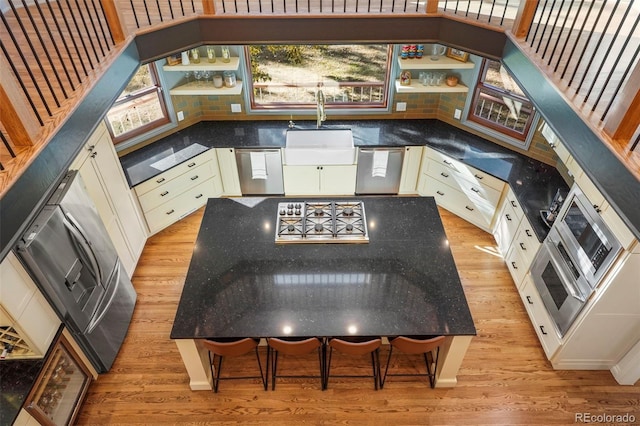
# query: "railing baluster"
617,60
18,75
171,10
55,46
100,20
37,58
95,30
602,34
159,10
622,79
586,44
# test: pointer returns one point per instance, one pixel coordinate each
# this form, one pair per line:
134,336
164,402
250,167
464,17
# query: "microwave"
582,237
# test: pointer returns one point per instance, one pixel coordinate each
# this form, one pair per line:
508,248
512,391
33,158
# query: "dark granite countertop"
533,182
241,283
16,380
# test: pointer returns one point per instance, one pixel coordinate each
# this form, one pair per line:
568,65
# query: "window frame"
492,90
156,89
344,107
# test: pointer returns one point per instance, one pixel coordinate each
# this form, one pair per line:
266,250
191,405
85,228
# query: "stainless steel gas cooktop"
321,222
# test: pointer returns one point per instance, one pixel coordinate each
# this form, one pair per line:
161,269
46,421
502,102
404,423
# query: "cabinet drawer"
511,199
454,179
542,323
526,242
516,264
507,224
474,210
173,188
469,173
181,205
174,172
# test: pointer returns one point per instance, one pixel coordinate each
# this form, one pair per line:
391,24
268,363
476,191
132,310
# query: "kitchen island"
241,283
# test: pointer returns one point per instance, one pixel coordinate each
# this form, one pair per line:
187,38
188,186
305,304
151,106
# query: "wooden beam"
432,6
524,18
113,20
12,123
208,8
623,120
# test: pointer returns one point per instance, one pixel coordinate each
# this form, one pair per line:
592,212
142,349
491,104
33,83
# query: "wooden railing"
52,50
341,92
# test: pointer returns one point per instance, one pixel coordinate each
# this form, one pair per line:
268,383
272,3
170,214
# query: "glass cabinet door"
60,388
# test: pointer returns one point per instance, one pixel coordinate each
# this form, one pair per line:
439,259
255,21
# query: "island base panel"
452,353
196,361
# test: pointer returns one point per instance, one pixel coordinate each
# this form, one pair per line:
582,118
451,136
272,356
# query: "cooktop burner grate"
321,222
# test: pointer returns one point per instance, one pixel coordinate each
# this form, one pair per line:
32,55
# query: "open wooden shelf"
206,88
425,63
205,65
417,87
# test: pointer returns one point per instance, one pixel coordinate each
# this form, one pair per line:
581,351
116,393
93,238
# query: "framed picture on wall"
458,55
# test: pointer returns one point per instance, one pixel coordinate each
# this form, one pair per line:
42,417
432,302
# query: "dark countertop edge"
434,133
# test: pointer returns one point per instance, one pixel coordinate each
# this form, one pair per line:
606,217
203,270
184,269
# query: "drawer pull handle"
508,217
513,264
513,203
195,177
597,207
542,330
444,174
198,196
528,232
164,193
522,246
529,300
468,208
171,211
439,193
90,148
191,164
448,163
160,180
478,177
95,154
476,190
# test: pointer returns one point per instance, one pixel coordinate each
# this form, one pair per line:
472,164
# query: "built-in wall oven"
576,254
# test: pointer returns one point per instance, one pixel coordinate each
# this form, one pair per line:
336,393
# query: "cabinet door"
229,171
410,169
338,180
110,192
301,180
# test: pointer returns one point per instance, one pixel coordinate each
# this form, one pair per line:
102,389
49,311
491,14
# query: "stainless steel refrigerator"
71,257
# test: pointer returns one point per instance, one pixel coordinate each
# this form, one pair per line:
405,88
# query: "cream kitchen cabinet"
410,170
461,189
107,186
609,326
542,322
229,172
319,180
515,237
24,312
180,190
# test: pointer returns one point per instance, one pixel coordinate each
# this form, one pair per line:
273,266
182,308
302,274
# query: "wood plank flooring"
505,378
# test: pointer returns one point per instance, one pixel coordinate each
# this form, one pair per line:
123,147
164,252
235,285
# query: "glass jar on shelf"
211,54
195,56
226,54
229,78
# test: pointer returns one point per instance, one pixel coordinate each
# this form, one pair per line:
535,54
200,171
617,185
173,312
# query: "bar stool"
219,349
294,347
356,346
415,346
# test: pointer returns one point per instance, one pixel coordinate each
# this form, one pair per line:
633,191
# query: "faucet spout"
320,113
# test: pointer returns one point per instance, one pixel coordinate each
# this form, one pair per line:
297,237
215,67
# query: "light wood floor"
505,378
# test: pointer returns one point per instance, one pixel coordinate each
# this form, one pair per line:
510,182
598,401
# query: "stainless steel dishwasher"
260,171
379,170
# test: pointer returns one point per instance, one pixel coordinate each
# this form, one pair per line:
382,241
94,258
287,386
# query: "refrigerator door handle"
76,231
105,306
